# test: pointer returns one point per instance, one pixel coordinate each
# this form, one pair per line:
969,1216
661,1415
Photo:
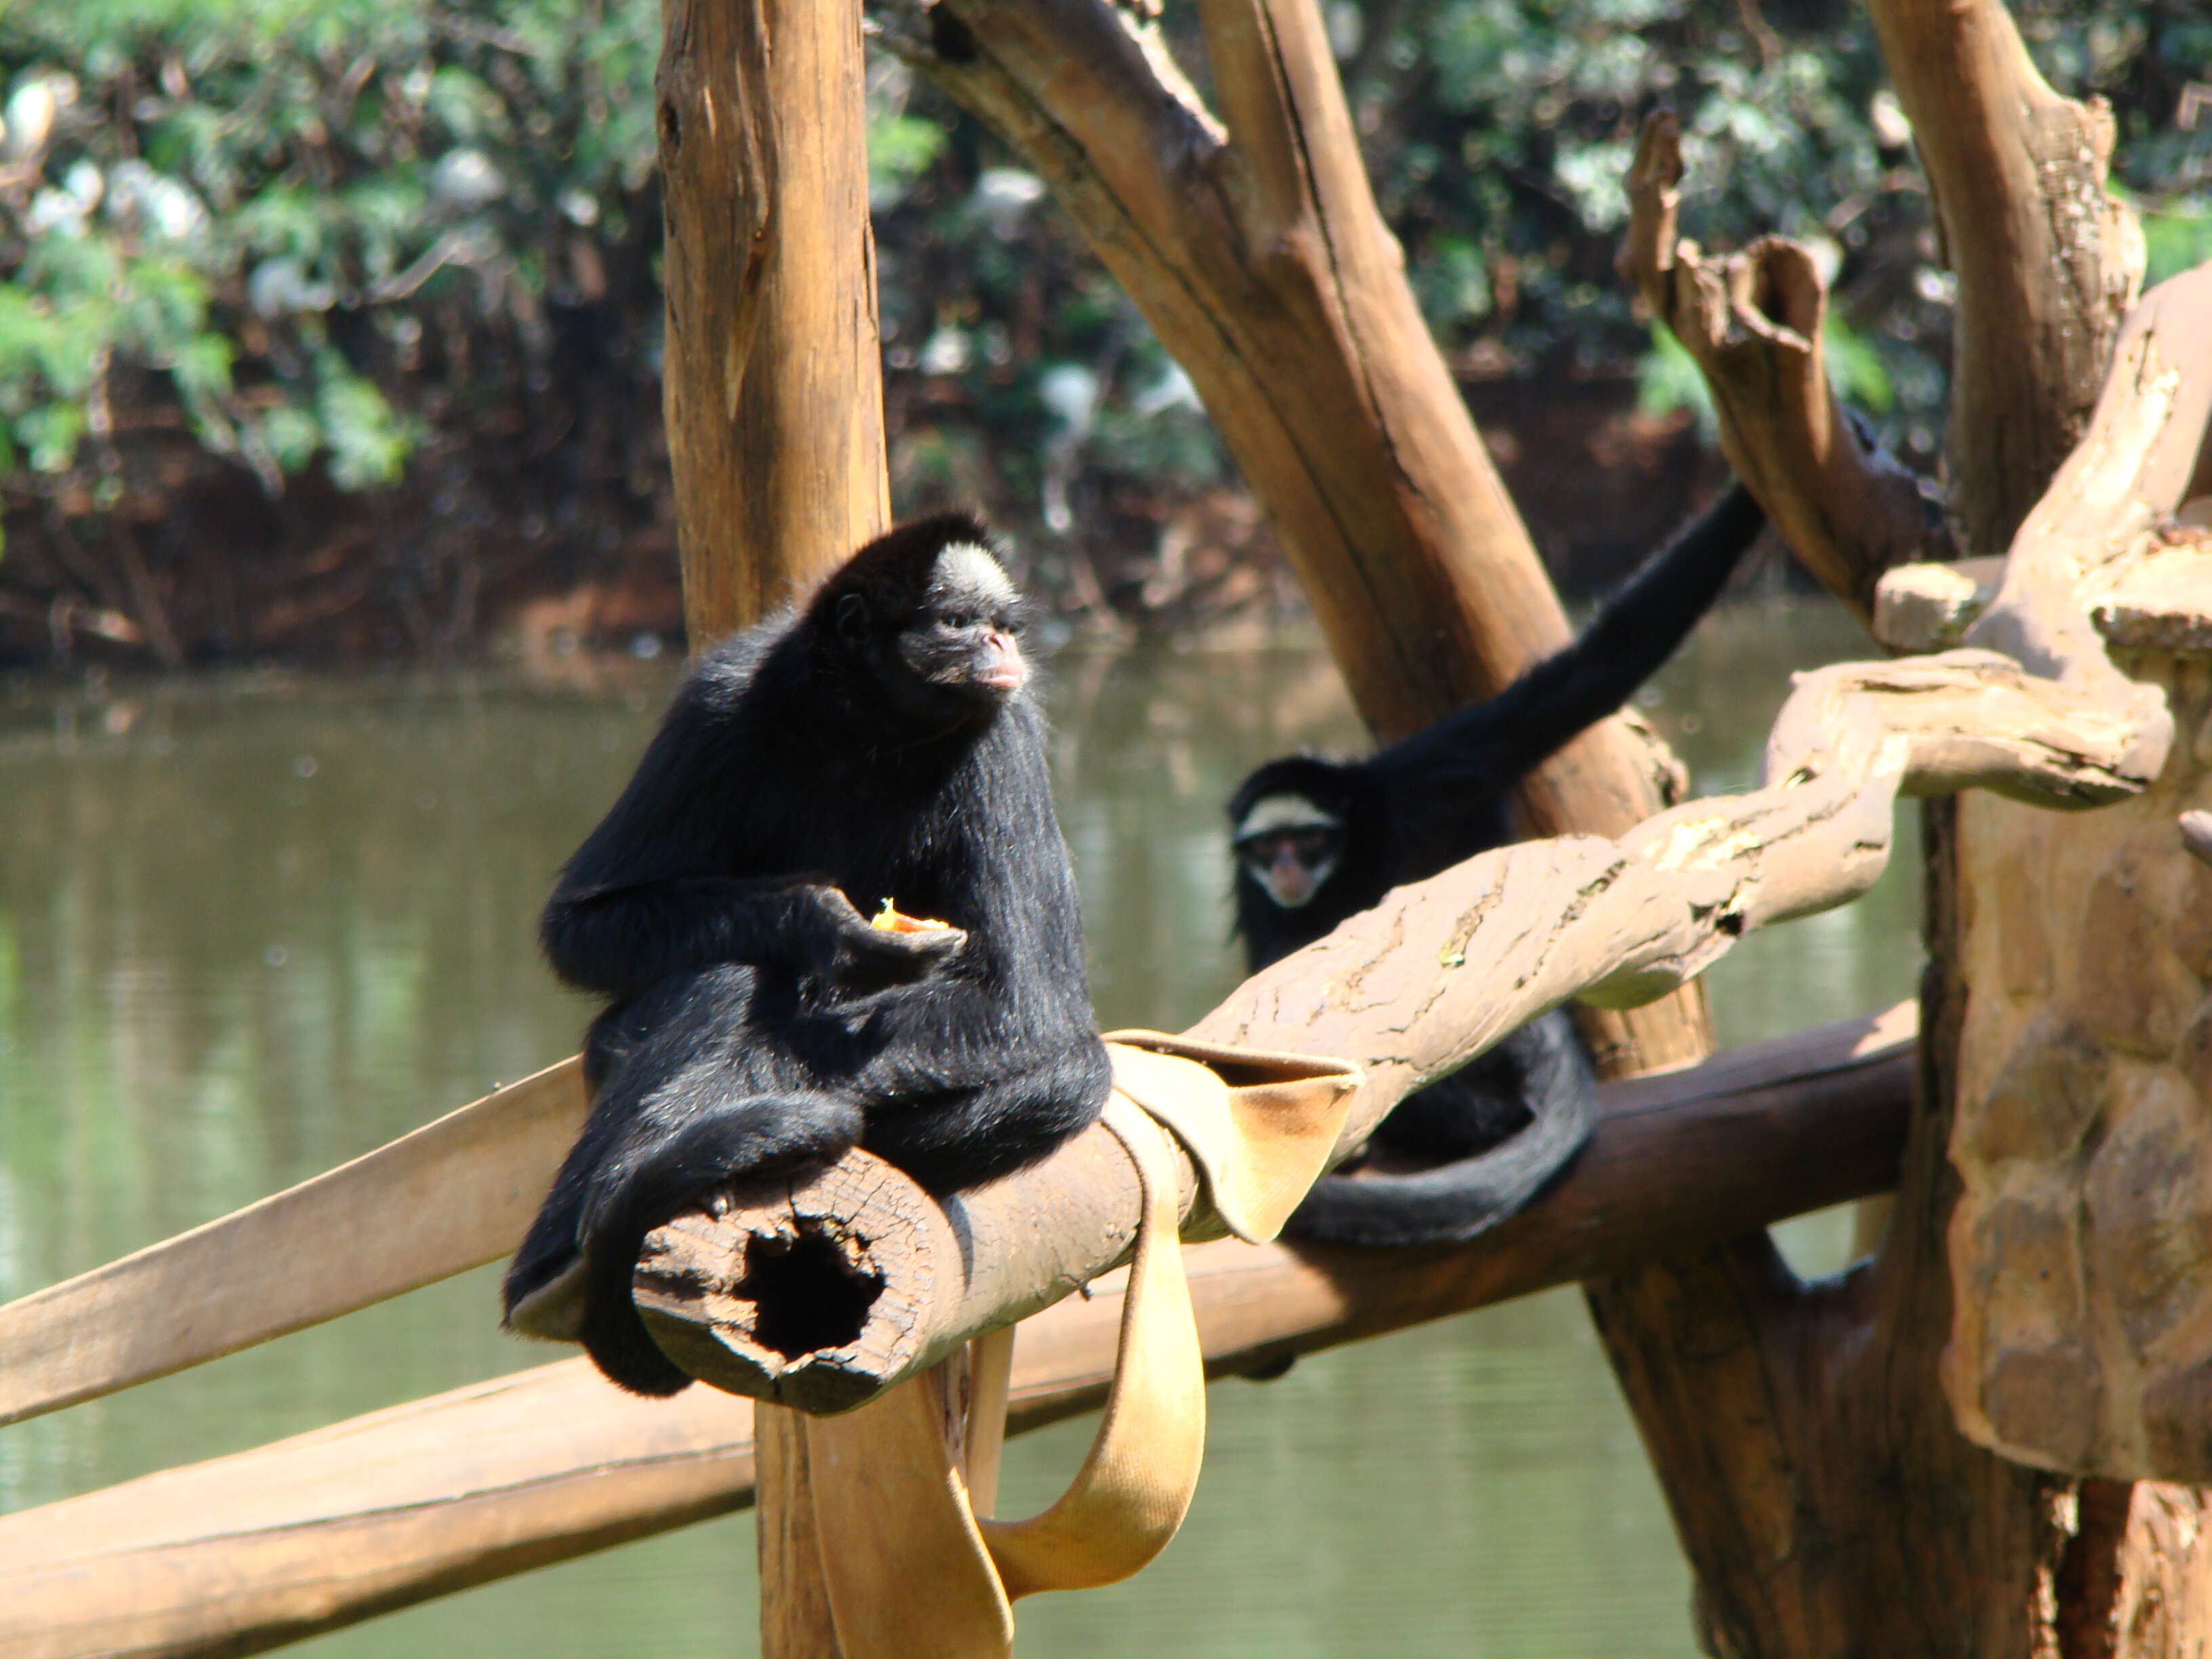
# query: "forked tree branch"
1753,322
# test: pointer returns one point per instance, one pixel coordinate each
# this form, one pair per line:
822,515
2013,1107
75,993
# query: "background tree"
280,287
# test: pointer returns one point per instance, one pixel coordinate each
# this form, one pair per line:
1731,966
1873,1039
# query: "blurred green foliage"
267,204
1498,132
337,234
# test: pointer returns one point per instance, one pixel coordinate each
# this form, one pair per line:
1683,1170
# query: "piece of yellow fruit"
890,920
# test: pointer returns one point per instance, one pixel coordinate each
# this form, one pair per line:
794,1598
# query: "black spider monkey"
1317,841
879,743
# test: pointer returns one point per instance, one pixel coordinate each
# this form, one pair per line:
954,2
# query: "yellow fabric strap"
911,1573
1260,1127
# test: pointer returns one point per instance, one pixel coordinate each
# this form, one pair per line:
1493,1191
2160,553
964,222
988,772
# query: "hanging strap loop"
911,1573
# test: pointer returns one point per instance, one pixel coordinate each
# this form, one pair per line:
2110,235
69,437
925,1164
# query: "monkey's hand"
840,950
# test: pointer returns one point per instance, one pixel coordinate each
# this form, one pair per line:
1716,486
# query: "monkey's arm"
952,1119
1488,746
622,941
672,879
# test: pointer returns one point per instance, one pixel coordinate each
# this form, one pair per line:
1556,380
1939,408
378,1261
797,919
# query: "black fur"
755,1023
1515,1118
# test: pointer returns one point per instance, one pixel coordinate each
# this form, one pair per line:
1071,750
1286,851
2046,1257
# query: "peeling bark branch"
1754,323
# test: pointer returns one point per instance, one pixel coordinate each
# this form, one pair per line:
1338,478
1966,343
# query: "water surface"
251,927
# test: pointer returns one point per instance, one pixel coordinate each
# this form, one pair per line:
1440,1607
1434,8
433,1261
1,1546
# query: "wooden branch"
2047,261
2140,459
1259,257
1410,991
1754,323
468,1183
324,1529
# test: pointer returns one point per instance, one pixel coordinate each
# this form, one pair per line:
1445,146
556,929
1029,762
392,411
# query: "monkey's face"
1291,847
960,643
966,636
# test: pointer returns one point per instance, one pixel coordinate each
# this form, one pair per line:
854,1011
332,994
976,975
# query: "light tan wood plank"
453,1195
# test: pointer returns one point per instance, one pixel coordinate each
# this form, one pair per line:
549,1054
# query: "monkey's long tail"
1465,1198
759,1135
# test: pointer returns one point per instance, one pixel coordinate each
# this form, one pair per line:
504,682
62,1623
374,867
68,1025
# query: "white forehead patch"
1272,814
965,568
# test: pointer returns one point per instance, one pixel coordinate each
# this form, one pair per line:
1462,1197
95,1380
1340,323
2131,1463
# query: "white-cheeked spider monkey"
1317,841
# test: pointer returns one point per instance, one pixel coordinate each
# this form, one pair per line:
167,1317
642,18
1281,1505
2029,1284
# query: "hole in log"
810,1294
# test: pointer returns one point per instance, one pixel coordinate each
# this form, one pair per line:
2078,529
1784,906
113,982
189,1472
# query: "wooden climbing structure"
1986,1430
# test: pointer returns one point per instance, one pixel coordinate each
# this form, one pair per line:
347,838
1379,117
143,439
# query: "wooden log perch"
1754,321
830,1293
323,1530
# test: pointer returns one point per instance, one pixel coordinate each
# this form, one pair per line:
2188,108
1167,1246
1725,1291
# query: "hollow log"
322,1530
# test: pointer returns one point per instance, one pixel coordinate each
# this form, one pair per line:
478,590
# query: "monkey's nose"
998,664
1289,880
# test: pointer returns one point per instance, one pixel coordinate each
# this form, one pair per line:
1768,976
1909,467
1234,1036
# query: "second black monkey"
1318,840
880,743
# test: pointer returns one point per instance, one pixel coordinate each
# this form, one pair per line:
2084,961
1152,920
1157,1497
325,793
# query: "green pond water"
252,927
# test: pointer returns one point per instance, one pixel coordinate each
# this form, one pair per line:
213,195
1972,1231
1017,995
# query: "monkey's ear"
852,618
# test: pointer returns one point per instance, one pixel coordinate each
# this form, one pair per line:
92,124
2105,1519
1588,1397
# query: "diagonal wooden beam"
467,1186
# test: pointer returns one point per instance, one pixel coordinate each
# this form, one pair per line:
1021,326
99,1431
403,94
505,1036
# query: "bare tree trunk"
774,380
2047,261
774,391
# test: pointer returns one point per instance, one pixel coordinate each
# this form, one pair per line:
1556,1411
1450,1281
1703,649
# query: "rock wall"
2081,1247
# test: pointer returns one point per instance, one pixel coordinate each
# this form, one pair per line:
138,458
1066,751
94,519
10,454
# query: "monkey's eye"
960,620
